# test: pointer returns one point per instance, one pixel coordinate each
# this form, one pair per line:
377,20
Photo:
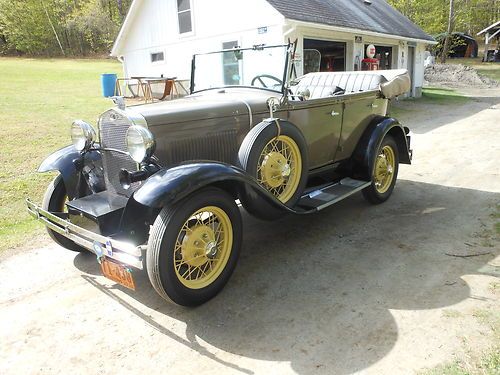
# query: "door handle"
335,113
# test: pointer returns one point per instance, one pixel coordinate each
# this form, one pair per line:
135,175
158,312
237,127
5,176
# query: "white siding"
155,29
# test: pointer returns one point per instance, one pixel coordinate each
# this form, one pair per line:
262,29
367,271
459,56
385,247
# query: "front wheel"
384,172
194,246
54,201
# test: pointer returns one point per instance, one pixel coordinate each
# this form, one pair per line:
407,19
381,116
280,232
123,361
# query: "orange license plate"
117,273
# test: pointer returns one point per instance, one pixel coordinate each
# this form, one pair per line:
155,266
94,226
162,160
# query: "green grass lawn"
433,95
488,69
40,99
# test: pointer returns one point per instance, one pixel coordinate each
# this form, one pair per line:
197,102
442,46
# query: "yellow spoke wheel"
193,246
203,247
279,167
54,201
385,165
384,172
274,153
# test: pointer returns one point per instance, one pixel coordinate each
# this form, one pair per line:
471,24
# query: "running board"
328,195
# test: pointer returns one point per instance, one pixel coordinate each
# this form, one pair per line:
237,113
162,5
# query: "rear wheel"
194,246
384,173
54,201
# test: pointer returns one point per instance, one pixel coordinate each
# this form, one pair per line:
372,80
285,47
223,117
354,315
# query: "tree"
55,27
447,39
433,16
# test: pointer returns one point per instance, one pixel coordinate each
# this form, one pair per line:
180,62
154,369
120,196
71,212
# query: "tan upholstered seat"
323,85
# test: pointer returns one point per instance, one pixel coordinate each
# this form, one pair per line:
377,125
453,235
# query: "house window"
184,15
157,56
230,64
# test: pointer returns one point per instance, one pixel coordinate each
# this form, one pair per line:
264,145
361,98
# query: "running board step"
328,195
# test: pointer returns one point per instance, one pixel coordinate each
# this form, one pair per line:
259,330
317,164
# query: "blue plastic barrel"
108,82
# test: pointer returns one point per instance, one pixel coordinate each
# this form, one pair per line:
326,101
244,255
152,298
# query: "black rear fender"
369,143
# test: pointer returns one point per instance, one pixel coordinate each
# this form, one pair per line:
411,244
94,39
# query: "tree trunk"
447,40
119,3
53,28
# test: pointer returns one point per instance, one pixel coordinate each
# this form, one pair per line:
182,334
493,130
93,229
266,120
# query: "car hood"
207,105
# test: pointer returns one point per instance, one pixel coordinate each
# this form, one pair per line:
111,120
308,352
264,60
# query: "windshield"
261,67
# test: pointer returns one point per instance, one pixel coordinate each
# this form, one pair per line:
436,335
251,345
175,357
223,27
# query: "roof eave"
366,32
116,50
492,26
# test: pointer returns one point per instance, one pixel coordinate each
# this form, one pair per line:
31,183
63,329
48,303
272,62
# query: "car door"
320,120
359,110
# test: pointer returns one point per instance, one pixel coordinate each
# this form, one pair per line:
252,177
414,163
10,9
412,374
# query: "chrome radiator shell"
113,126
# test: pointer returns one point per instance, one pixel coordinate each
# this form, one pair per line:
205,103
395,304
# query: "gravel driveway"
355,288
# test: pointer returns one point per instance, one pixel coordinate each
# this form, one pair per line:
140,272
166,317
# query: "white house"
159,37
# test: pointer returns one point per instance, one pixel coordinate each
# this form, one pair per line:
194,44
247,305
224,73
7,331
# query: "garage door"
324,56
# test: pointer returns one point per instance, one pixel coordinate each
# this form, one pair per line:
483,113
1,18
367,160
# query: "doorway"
384,55
411,67
324,56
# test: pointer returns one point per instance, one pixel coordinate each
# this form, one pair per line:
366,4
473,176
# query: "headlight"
82,134
140,143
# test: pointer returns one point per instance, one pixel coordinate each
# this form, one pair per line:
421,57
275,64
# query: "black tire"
54,201
254,144
372,193
164,236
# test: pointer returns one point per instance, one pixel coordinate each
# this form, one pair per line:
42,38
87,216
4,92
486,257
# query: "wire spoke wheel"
54,201
384,172
275,154
203,247
385,165
279,167
193,247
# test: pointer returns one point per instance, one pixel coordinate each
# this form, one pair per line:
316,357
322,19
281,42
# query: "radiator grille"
112,133
220,146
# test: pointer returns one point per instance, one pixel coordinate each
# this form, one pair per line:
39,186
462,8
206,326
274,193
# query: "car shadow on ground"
317,291
434,114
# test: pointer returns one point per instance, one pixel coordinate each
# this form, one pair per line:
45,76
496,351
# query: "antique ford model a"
158,190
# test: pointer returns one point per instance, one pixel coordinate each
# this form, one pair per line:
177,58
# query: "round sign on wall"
371,51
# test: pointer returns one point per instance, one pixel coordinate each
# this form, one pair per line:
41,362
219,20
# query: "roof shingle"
378,16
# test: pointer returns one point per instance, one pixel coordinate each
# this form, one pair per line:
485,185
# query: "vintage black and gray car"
160,187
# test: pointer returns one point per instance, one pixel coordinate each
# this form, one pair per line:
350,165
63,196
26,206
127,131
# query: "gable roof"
370,15
124,30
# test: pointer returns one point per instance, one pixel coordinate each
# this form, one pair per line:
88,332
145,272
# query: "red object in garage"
370,64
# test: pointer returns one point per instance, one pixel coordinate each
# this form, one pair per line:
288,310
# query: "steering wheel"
267,76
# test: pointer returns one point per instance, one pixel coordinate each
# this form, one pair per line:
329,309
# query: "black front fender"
365,152
70,163
168,186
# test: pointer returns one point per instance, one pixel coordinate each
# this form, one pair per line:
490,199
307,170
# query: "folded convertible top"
398,83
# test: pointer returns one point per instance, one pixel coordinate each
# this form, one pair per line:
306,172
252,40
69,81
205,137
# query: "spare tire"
275,154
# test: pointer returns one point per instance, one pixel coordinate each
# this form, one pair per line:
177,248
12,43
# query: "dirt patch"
457,76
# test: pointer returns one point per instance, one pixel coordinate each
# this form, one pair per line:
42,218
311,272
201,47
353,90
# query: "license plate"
117,273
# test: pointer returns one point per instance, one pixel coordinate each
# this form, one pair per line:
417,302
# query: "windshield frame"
286,70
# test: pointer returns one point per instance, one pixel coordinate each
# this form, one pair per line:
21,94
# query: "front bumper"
123,252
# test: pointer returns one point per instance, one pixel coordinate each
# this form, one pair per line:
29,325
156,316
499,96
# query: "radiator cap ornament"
119,101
